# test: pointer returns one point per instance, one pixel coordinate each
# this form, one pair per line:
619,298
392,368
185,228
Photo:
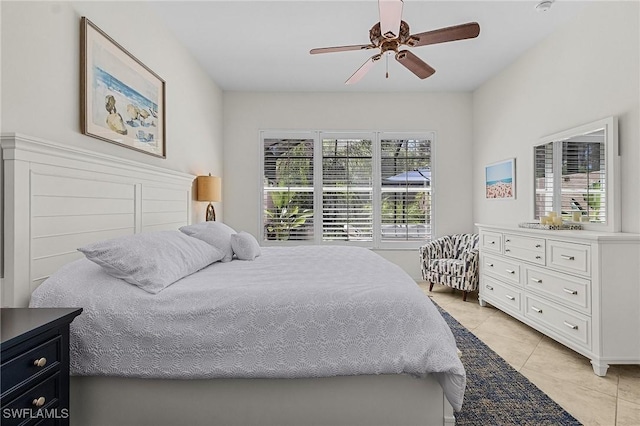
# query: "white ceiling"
264,45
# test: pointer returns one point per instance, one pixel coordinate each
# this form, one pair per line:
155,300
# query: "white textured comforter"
308,311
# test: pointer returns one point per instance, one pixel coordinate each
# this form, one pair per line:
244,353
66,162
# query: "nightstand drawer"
502,268
44,396
569,257
491,241
39,360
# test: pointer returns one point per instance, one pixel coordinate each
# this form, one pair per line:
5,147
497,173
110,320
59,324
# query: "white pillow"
215,233
152,260
245,246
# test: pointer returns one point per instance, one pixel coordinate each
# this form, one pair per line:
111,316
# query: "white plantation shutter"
543,179
288,189
405,182
580,165
583,181
367,188
347,192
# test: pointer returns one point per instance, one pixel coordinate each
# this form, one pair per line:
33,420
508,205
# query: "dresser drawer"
567,324
47,392
527,243
524,254
501,295
571,291
504,269
569,257
491,241
37,361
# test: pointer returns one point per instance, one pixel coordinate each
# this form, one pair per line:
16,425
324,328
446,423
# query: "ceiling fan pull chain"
387,65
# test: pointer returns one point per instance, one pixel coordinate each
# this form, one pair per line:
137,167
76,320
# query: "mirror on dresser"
576,174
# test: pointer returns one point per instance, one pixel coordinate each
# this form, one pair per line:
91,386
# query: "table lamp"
209,189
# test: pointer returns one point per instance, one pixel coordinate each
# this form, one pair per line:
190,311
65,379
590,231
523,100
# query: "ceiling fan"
392,32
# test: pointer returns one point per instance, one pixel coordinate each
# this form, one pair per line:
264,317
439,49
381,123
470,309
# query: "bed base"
348,400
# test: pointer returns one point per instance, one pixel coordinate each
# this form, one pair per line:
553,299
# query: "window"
370,188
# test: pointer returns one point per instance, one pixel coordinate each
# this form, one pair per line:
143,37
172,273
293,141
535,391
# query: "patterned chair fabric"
451,260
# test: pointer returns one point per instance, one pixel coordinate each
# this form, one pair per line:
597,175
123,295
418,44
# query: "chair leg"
464,296
430,286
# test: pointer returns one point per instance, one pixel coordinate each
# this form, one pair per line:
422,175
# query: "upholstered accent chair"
451,260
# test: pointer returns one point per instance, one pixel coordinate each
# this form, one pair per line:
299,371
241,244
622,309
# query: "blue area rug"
496,393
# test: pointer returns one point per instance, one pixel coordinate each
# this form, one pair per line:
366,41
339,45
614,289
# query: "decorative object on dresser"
209,189
451,260
578,287
122,100
35,364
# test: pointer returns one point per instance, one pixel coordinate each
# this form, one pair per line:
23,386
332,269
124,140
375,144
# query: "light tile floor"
564,375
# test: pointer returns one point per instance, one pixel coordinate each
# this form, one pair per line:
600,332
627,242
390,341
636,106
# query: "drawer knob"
510,297
39,402
511,271
507,241
489,287
492,242
571,326
536,280
538,246
40,362
568,290
538,257
538,310
490,265
507,250
567,257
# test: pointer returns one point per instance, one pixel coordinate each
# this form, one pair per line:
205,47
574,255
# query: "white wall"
40,75
245,114
585,71
41,80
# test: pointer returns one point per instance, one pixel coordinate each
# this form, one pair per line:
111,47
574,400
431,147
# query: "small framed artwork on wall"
500,180
122,100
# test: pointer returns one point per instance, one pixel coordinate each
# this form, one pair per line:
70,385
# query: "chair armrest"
470,258
431,250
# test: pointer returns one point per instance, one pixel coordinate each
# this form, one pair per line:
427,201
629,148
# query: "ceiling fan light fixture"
544,6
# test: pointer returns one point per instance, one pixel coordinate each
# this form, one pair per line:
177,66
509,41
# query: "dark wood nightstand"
35,365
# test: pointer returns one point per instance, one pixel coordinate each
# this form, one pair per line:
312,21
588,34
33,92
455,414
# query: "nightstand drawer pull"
490,265
507,250
567,257
509,297
511,271
538,257
39,402
571,326
536,280
538,246
538,310
492,242
40,362
489,287
568,290
507,240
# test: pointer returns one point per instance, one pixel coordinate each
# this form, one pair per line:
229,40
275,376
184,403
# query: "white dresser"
581,288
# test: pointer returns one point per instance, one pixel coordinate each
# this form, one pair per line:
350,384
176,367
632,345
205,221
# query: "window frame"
376,137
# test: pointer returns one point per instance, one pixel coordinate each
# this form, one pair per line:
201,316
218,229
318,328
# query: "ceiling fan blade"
341,48
414,64
390,17
457,32
357,76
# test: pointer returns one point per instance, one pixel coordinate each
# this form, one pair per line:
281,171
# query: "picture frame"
122,100
500,180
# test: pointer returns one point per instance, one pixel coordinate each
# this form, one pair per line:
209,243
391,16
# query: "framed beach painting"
500,180
122,100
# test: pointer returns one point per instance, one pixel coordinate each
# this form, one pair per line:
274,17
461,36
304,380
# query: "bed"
289,325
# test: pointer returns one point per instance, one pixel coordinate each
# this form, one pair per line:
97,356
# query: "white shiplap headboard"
58,198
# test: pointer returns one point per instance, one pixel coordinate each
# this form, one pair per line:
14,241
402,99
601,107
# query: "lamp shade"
209,188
